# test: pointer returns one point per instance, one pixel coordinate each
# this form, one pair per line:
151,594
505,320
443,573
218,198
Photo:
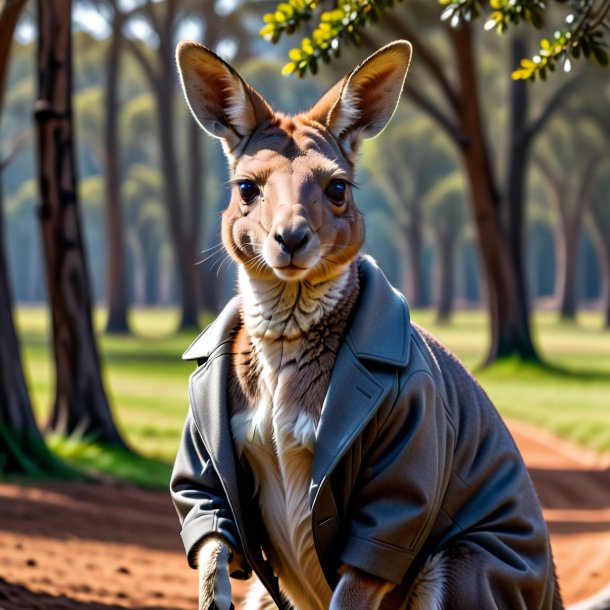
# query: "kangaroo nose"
292,239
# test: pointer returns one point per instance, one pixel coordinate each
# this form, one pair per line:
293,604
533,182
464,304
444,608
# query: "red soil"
108,547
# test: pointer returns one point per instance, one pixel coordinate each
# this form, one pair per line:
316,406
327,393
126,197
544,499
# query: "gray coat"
410,457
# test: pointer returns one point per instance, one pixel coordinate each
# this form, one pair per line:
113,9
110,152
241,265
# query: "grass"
147,383
570,395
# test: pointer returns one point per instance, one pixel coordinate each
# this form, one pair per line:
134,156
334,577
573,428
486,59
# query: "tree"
445,211
425,158
80,399
22,448
498,210
569,159
183,209
116,279
600,229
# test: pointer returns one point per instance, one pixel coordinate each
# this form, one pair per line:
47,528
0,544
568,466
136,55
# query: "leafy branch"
584,34
587,25
340,25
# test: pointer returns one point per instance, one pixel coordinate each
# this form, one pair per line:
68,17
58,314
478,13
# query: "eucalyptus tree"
21,445
445,208
165,22
569,157
147,238
600,229
22,448
80,403
404,166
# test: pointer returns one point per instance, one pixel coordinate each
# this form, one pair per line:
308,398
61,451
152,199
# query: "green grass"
570,395
147,383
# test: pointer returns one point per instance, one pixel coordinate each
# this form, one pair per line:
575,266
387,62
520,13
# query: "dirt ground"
109,547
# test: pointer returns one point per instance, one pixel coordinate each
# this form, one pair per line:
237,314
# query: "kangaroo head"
292,213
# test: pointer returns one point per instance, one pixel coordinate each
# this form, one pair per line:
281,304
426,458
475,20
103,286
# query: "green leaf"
601,57
289,68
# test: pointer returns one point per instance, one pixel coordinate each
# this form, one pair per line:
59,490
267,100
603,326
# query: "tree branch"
149,11
432,109
15,146
425,56
144,62
552,104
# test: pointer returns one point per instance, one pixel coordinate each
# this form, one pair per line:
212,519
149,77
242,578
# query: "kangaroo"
332,447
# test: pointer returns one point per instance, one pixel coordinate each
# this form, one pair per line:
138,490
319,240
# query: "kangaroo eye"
336,190
248,191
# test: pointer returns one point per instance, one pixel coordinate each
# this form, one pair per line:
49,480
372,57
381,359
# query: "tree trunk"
567,289
183,242
116,280
510,326
514,203
445,248
413,231
22,448
10,10
80,402
601,239
605,265
572,206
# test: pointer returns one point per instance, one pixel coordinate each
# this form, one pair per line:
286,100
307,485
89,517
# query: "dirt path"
108,547
574,487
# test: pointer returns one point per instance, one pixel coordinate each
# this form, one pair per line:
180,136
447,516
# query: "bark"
405,267
22,448
116,280
514,199
10,10
509,317
80,400
206,289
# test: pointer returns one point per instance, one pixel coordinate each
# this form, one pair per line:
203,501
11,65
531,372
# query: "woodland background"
487,201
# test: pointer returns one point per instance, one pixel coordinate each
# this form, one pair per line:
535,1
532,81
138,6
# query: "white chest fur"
277,440
277,435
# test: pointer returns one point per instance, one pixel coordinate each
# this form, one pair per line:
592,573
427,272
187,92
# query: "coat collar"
379,331
380,328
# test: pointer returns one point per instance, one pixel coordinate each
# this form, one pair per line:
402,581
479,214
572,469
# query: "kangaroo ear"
222,102
362,103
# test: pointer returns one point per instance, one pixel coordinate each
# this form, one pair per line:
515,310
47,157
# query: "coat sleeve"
198,495
401,482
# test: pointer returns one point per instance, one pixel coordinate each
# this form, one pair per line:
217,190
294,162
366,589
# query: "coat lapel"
379,335
351,401
209,399
208,395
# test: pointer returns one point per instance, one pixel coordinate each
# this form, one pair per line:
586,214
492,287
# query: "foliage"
587,23
342,24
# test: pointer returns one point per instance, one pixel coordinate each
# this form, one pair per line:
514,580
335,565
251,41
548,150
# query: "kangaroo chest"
284,354
276,436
